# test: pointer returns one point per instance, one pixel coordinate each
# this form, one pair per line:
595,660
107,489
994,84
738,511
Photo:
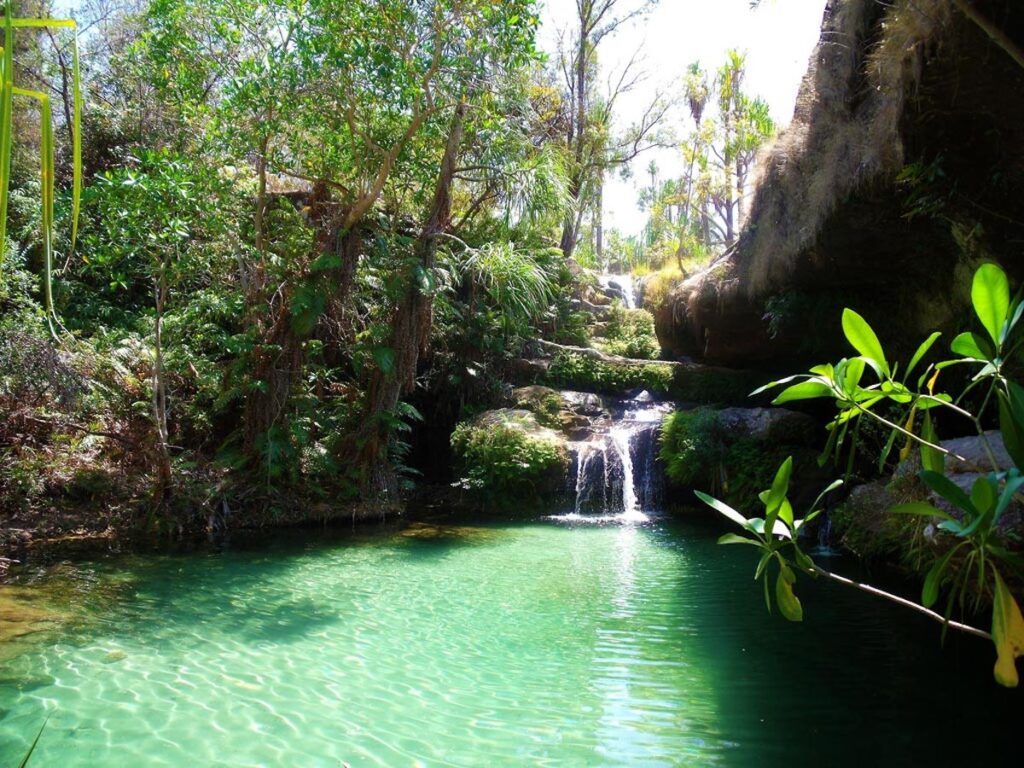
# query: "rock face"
903,167
775,425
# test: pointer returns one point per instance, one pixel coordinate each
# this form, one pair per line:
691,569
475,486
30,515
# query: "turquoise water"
535,645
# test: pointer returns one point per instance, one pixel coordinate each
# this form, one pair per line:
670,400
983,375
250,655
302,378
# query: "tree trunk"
277,358
410,332
163,456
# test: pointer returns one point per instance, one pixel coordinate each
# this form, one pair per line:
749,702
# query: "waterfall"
620,285
615,475
622,441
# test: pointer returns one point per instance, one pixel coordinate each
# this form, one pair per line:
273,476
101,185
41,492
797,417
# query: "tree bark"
410,331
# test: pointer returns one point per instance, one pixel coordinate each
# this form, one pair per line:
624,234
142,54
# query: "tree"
590,145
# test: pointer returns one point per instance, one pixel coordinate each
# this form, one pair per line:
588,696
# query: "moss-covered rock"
689,382
507,455
734,453
543,402
630,333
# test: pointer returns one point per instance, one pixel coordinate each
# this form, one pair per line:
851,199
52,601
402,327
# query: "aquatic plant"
978,557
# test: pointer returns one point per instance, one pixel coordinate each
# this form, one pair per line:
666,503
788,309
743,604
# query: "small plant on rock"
978,555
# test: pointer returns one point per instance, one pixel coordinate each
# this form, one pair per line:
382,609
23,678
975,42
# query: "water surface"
535,644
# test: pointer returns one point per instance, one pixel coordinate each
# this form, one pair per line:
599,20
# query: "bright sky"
778,39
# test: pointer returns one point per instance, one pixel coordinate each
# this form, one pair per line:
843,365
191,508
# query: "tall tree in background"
591,147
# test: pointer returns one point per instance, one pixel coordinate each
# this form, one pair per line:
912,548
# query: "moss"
698,452
679,381
546,404
630,333
590,374
508,456
574,330
693,447
709,385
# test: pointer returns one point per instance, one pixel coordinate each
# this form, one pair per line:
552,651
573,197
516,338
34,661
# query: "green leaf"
948,490
805,390
1011,429
990,295
864,340
983,495
920,508
931,459
972,346
789,603
777,496
921,352
722,508
384,357
1007,633
933,579
853,372
778,383
780,486
732,538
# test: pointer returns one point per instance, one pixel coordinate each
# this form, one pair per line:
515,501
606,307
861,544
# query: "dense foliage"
973,556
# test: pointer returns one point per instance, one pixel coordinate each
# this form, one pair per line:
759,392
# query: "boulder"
775,425
902,168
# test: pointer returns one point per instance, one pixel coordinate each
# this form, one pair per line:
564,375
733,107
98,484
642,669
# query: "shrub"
505,458
693,447
631,334
587,373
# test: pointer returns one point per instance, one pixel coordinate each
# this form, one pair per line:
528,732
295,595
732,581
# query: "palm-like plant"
8,90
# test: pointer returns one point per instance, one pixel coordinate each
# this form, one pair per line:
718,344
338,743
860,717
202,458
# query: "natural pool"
529,644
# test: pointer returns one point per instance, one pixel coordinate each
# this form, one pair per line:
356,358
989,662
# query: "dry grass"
844,133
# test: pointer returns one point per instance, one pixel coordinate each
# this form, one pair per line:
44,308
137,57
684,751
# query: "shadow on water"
858,682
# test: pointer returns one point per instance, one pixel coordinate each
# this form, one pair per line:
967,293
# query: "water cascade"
621,286
615,477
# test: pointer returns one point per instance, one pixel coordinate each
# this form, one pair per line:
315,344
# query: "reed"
8,91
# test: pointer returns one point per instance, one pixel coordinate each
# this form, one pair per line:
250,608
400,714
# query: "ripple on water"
530,645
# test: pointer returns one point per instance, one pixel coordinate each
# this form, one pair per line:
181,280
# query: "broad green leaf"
920,353
1013,485
732,538
920,508
933,579
780,485
778,383
1011,429
932,459
789,603
972,346
805,390
722,508
948,490
983,495
786,513
853,372
864,340
777,497
1007,633
990,295
802,559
